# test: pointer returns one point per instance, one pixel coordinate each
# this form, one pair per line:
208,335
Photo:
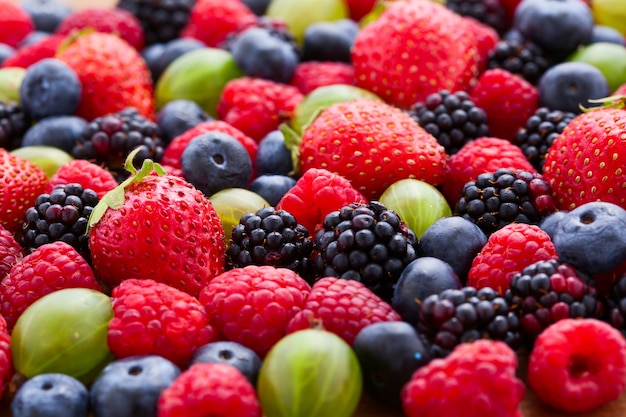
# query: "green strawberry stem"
611,102
292,142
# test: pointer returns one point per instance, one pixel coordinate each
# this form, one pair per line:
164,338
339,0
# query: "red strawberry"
85,173
30,54
113,75
373,145
486,39
413,49
313,74
15,23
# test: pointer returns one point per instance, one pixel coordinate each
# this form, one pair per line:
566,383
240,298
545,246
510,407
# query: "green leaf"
292,142
611,102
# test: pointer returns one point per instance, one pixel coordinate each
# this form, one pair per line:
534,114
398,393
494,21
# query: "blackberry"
453,119
520,57
61,215
13,124
539,132
365,242
548,291
270,237
161,20
616,305
108,140
465,315
498,198
489,12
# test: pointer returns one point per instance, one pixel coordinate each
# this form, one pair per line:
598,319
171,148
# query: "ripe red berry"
15,23
85,173
27,55
6,362
10,252
313,74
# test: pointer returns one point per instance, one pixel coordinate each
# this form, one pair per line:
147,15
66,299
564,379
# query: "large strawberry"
158,227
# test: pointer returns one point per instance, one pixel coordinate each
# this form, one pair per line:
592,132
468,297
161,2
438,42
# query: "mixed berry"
243,208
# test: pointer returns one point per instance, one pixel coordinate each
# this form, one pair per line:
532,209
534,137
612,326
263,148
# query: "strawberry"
373,145
15,23
112,73
310,75
35,52
413,49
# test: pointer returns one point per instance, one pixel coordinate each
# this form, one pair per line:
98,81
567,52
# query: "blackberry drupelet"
108,140
548,291
520,57
13,125
489,12
161,20
61,215
270,237
616,305
457,316
453,119
540,130
498,198
365,242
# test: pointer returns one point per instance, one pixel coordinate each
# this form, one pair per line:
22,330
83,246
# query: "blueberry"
608,34
50,88
47,14
33,38
329,41
454,240
568,85
272,156
258,7
6,51
230,353
591,237
51,395
131,386
272,187
172,50
59,131
215,161
151,55
548,223
259,54
178,116
389,352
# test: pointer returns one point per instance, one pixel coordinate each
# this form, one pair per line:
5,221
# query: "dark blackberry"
161,20
13,125
540,130
616,305
61,215
498,198
548,291
520,57
109,139
458,316
489,12
365,242
453,119
270,237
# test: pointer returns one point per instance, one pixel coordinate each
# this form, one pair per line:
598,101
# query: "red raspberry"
85,173
257,106
33,53
359,8
317,193
508,99
6,362
110,20
507,252
50,267
313,74
578,365
211,21
253,305
209,389
477,379
479,156
152,318
343,307
15,23
486,39
10,252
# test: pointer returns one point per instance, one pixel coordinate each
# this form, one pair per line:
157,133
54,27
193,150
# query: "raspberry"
30,54
6,362
314,74
508,251
477,379
316,193
257,106
15,22
49,268
10,252
153,318
343,307
486,39
209,389
253,305
588,359
85,173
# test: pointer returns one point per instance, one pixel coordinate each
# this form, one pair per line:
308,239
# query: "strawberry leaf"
611,102
292,142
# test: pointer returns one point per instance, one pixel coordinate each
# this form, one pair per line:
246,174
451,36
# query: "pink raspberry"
85,173
10,252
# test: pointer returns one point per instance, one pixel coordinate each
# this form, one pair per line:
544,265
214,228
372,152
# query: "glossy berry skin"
178,116
58,131
14,123
273,156
272,187
51,394
172,50
548,224
30,54
389,353
329,41
87,174
16,23
230,353
46,14
521,57
602,33
5,52
131,386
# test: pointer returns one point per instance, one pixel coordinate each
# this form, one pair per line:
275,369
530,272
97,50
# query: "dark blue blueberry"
62,132
272,187
272,156
454,240
50,88
568,85
591,237
230,353
47,14
178,116
5,52
329,41
51,395
33,38
172,50
557,26
389,352
548,223
608,34
258,7
259,54
131,386
151,55
215,161
422,277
